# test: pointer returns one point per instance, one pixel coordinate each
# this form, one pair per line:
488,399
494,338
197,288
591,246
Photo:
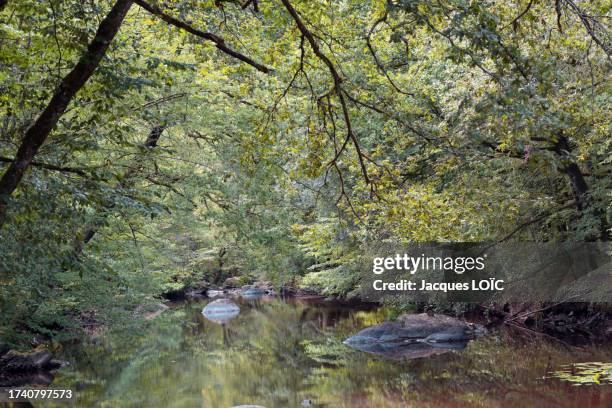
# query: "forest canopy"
148,144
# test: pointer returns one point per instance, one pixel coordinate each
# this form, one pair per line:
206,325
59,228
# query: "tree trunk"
579,186
37,134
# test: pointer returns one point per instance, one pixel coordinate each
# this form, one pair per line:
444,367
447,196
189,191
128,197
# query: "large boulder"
30,361
423,325
415,335
34,368
37,359
410,328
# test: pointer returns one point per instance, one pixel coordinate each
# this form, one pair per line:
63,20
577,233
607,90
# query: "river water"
281,354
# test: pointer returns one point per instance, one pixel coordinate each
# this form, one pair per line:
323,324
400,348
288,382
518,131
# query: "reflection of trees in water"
325,316
269,359
276,354
226,335
255,303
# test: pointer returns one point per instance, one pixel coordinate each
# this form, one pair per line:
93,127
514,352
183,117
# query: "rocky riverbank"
35,367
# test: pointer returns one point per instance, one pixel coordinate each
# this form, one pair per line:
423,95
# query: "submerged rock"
414,336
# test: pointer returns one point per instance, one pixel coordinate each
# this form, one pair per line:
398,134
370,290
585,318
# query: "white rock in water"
248,406
221,311
215,293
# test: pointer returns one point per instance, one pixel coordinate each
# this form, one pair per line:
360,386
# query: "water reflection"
221,311
252,294
409,350
277,354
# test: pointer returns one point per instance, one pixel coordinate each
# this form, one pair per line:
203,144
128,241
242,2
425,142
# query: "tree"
71,84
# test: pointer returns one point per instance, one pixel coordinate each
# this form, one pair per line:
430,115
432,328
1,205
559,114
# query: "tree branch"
527,223
589,24
514,22
337,88
379,64
48,166
218,41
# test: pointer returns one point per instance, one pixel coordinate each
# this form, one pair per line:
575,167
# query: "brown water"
283,355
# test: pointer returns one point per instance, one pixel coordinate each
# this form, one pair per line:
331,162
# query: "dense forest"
147,146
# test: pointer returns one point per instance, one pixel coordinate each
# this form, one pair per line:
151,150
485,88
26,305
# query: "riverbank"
573,323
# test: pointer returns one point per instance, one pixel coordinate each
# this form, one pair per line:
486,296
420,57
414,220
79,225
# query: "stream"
284,354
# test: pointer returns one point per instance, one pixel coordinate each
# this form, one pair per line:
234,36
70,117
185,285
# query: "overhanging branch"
218,41
48,166
337,89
